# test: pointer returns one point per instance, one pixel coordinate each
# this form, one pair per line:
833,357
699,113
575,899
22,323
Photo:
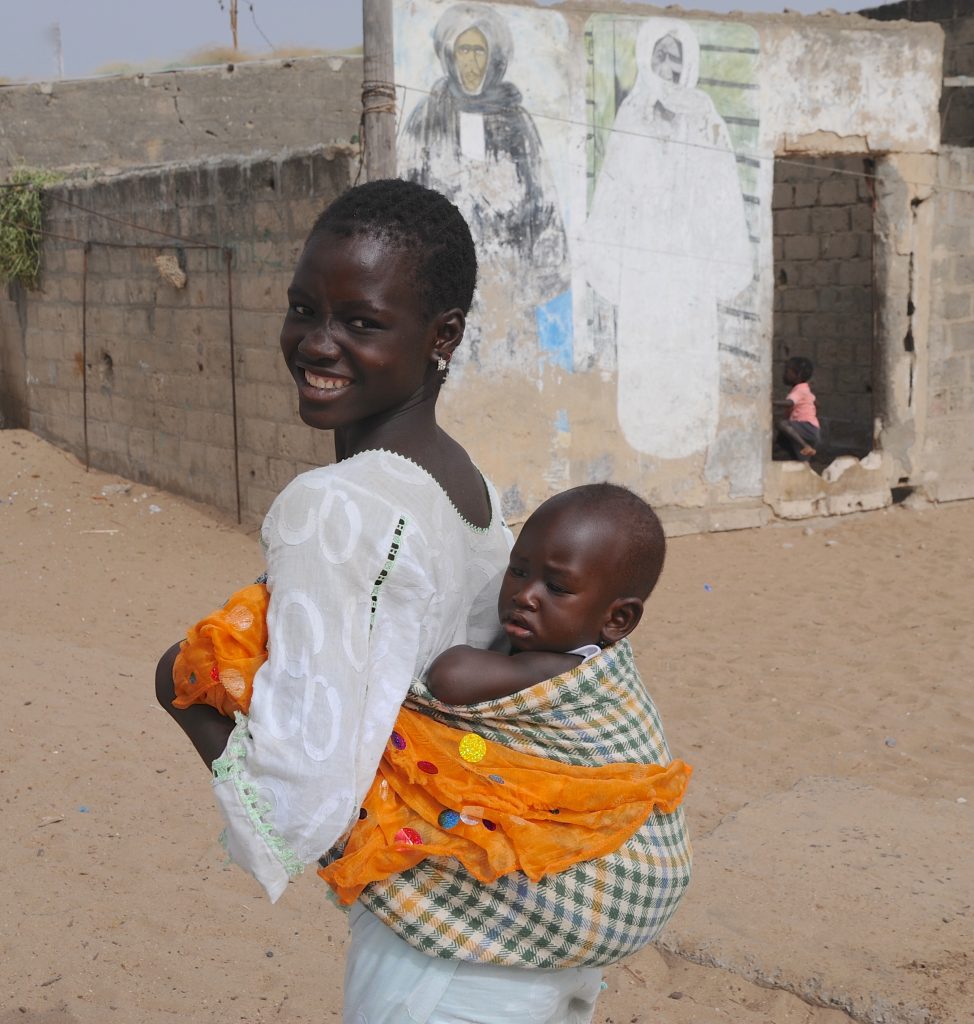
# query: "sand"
817,675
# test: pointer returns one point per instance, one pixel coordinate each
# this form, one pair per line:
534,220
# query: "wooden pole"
378,90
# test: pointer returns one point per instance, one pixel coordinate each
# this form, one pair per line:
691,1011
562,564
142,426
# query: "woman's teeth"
326,383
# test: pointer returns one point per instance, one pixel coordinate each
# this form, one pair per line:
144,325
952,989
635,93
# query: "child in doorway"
799,430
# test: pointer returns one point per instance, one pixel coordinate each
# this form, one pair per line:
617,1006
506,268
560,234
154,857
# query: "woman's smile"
326,383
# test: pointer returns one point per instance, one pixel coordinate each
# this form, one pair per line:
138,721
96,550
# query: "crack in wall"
909,345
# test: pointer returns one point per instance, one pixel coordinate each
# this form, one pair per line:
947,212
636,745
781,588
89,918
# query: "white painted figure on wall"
665,239
471,139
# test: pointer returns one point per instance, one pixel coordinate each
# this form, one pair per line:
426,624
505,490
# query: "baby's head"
581,570
798,370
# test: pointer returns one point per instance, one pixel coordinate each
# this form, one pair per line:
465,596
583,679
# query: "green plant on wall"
21,213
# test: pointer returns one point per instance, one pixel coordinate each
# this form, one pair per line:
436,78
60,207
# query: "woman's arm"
466,675
350,595
205,726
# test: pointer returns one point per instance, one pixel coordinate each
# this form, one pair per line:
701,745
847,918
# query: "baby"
548,755
580,571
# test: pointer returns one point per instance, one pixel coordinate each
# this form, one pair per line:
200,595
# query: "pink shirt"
804,407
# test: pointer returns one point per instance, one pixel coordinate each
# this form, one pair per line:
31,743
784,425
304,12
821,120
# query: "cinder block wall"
129,121
156,356
823,309
949,451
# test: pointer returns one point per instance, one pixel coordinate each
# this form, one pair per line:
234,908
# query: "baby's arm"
466,675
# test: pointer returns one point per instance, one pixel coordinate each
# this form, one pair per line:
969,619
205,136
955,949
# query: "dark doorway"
823,309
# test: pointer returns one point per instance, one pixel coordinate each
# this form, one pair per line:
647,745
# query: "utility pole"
54,35
378,90
231,6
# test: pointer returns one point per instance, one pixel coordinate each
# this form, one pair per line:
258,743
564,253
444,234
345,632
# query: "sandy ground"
834,650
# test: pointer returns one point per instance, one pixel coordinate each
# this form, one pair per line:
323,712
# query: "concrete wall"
104,124
948,455
823,309
157,361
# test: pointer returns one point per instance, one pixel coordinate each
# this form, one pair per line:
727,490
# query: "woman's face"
667,59
355,338
470,54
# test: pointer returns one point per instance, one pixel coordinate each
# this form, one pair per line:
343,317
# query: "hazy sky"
99,32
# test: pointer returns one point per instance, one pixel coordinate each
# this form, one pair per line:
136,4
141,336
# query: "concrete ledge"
845,895
795,491
679,522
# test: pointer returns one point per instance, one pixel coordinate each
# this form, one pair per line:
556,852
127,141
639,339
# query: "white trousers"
387,981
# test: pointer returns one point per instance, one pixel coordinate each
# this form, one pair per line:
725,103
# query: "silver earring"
442,365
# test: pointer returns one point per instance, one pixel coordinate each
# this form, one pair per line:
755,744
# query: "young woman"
375,565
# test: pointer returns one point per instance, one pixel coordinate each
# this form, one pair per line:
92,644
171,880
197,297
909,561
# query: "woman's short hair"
424,224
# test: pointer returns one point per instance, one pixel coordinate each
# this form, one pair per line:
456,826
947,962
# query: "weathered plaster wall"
629,332
956,17
127,121
157,366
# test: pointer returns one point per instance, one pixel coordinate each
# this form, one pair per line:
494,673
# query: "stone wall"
948,460
823,309
103,124
124,352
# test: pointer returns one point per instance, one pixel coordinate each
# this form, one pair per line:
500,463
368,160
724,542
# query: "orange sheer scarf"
220,656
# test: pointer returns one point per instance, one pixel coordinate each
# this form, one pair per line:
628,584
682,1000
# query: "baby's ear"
621,619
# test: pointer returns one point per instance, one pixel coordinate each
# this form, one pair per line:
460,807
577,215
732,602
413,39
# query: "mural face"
470,57
666,238
469,135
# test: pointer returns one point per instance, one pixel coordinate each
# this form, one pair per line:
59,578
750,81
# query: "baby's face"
560,583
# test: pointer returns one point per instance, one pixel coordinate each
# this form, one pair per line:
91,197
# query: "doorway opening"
823,305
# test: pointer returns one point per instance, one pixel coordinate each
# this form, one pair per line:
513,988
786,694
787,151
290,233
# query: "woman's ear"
449,330
621,619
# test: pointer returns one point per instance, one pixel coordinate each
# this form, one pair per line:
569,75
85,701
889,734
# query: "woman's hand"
205,726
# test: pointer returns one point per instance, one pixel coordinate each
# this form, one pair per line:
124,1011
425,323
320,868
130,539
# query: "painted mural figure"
666,238
472,140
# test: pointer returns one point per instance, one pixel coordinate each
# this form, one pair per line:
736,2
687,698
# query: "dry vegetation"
210,55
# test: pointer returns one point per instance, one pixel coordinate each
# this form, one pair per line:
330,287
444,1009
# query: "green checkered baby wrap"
597,911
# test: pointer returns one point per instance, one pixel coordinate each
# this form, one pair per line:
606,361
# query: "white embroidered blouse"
372,573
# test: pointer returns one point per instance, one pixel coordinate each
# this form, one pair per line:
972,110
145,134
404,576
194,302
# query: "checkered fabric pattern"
597,911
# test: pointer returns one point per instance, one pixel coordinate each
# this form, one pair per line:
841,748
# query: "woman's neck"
412,433
415,435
